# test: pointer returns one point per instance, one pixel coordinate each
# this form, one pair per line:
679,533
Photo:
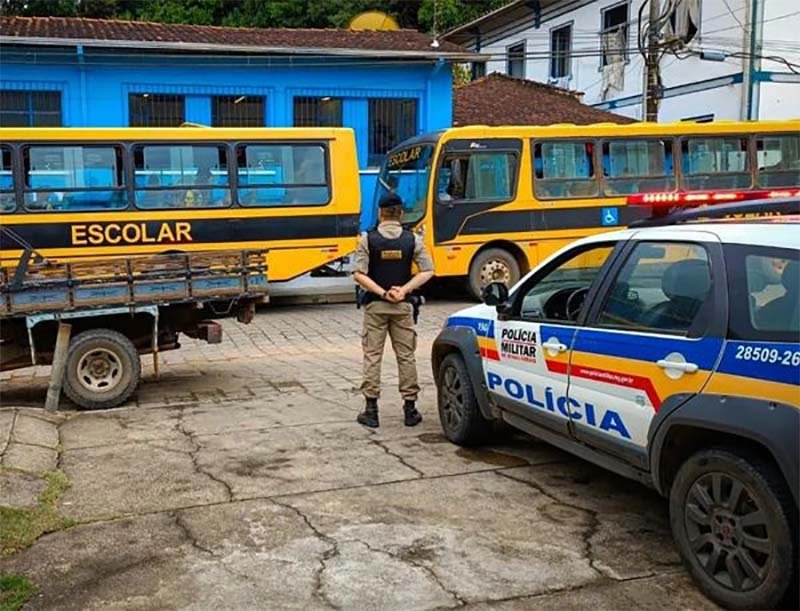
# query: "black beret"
390,200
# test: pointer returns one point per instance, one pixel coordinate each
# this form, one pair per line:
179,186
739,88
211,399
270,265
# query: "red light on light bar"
673,198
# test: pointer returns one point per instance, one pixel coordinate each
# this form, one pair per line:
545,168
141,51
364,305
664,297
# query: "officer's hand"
398,293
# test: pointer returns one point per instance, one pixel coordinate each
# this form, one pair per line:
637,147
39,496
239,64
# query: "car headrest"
686,280
790,278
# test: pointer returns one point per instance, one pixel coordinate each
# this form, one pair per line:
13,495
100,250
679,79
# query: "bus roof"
32,134
615,129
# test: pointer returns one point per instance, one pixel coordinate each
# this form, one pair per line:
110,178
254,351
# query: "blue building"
386,85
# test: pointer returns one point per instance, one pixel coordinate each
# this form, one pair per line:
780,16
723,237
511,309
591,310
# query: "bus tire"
103,369
492,265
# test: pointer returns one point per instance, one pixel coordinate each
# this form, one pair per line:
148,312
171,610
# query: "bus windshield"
407,172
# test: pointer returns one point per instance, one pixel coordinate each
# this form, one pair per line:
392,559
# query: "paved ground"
240,480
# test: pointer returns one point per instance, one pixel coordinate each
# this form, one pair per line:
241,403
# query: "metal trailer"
91,319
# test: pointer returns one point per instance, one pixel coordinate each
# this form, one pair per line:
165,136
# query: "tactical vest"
389,260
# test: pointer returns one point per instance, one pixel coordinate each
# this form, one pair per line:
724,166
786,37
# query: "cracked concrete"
241,481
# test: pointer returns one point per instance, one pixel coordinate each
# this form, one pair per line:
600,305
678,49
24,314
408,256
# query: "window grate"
156,110
238,111
30,108
390,122
317,112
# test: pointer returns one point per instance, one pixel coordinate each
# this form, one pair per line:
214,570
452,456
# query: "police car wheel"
459,414
731,515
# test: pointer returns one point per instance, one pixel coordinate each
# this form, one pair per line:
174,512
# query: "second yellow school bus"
494,201
71,193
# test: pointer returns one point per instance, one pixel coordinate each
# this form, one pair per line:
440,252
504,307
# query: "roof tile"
498,99
289,38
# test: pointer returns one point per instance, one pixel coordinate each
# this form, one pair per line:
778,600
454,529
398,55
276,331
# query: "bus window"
282,175
564,170
778,160
715,163
637,166
73,178
406,173
181,176
480,176
7,203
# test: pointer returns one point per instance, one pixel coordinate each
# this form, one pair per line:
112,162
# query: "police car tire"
126,356
474,279
473,428
762,480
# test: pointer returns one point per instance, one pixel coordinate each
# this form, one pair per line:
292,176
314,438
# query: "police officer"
383,269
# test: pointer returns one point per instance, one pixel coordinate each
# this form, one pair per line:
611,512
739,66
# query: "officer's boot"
369,417
412,416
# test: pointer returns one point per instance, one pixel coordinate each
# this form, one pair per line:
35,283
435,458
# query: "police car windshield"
406,172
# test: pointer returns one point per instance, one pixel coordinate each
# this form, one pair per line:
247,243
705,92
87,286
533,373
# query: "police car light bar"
681,198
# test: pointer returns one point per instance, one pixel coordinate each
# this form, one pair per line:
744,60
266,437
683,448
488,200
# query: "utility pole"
653,77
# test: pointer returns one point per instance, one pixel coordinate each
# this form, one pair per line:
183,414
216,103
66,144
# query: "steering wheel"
575,303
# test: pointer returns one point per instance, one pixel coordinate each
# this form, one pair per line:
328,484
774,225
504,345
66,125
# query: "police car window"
773,287
73,178
560,294
662,287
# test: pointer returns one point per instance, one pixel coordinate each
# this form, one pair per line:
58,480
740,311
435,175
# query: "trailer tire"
103,369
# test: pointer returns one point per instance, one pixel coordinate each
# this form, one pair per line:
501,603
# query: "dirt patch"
490,457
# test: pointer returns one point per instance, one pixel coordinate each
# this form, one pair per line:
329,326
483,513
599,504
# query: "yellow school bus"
494,201
72,193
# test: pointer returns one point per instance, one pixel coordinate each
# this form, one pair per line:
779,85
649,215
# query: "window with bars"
515,60
156,110
30,108
317,112
238,111
390,122
560,51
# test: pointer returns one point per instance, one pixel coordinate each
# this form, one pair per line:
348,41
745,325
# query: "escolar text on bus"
130,233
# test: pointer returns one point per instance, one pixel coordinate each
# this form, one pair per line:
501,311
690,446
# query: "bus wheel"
492,265
103,369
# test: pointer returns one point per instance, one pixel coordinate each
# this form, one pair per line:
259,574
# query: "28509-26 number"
790,358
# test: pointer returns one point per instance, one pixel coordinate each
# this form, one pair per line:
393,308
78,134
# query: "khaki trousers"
380,318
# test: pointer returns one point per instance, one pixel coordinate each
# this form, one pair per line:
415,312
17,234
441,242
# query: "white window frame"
553,31
513,48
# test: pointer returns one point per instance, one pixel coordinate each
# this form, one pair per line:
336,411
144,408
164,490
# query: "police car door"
651,339
528,373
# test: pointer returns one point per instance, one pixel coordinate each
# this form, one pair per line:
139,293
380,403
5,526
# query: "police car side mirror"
495,294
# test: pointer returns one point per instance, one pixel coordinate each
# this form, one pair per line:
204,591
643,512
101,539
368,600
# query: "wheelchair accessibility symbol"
609,217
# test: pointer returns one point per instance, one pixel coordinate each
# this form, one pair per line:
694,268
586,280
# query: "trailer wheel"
103,369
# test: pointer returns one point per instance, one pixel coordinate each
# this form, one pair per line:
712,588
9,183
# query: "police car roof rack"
765,207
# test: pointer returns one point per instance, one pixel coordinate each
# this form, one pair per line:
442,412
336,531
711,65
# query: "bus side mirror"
495,294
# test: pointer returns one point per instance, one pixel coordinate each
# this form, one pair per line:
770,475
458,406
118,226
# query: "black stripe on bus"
203,231
557,218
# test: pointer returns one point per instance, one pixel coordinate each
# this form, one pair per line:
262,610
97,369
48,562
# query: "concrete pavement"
240,480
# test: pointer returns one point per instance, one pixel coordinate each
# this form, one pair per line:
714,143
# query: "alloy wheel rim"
727,531
495,270
99,370
452,399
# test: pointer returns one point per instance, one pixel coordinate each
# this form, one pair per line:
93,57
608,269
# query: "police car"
668,353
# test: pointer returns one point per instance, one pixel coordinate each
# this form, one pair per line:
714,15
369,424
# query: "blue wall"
95,83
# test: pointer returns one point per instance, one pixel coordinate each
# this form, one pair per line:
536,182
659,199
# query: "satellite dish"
373,20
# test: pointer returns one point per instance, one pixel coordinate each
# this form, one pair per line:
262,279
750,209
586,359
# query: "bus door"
473,178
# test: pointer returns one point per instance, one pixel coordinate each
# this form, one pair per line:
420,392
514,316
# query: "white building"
723,59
